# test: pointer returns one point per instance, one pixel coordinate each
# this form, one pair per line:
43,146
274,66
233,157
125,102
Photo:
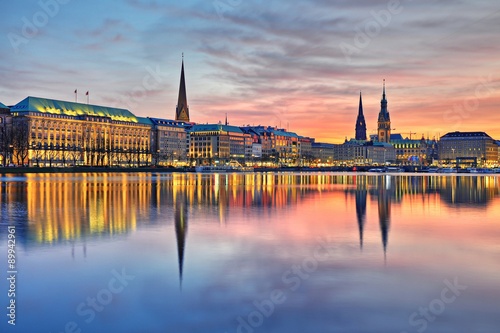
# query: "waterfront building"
414,152
323,153
279,147
306,154
468,148
384,120
169,142
360,122
356,152
59,133
5,134
218,143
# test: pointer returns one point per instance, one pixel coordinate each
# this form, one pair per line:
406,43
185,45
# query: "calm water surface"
285,252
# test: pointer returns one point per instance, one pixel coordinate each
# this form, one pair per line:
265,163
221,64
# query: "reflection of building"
477,146
384,214
68,209
181,225
361,194
469,191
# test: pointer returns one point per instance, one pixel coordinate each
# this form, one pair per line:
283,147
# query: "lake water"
272,252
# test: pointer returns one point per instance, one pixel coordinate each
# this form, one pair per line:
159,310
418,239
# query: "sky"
297,65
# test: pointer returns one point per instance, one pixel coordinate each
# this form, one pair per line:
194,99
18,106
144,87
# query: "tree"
5,140
20,140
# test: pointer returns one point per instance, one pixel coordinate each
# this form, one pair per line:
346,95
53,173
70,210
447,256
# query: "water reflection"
56,208
245,231
181,225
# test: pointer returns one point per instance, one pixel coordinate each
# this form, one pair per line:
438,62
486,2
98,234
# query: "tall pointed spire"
384,120
383,93
360,122
182,110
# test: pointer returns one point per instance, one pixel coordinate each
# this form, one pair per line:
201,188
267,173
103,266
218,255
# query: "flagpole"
76,95
88,96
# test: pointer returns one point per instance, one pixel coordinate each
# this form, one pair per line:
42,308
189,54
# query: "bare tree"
20,140
5,140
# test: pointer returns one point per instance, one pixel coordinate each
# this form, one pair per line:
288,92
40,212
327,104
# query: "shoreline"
29,170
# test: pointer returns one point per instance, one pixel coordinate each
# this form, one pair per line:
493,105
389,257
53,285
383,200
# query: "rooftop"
471,135
44,105
215,128
3,106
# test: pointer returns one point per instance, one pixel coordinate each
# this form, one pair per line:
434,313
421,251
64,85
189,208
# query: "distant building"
412,152
468,146
278,145
384,120
218,143
380,153
355,152
169,142
306,154
323,153
360,122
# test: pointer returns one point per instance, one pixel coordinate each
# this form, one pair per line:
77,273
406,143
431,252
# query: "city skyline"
300,67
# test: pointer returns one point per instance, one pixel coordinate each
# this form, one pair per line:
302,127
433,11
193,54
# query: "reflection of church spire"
384,215
361,213
180,216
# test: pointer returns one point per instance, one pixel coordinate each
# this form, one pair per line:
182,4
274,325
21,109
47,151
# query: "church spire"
360,122
384,120
383,93
182,110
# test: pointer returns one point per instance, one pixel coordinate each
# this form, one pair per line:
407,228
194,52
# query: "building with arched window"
61,133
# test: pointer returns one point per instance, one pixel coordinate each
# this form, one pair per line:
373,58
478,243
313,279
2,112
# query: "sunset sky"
296,64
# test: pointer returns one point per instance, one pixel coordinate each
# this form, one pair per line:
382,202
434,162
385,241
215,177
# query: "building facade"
467,147
218,144
355,152
5,135
414,152
323,153
60,133
169,142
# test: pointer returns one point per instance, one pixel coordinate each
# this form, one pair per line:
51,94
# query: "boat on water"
376,170
447,170
232,166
